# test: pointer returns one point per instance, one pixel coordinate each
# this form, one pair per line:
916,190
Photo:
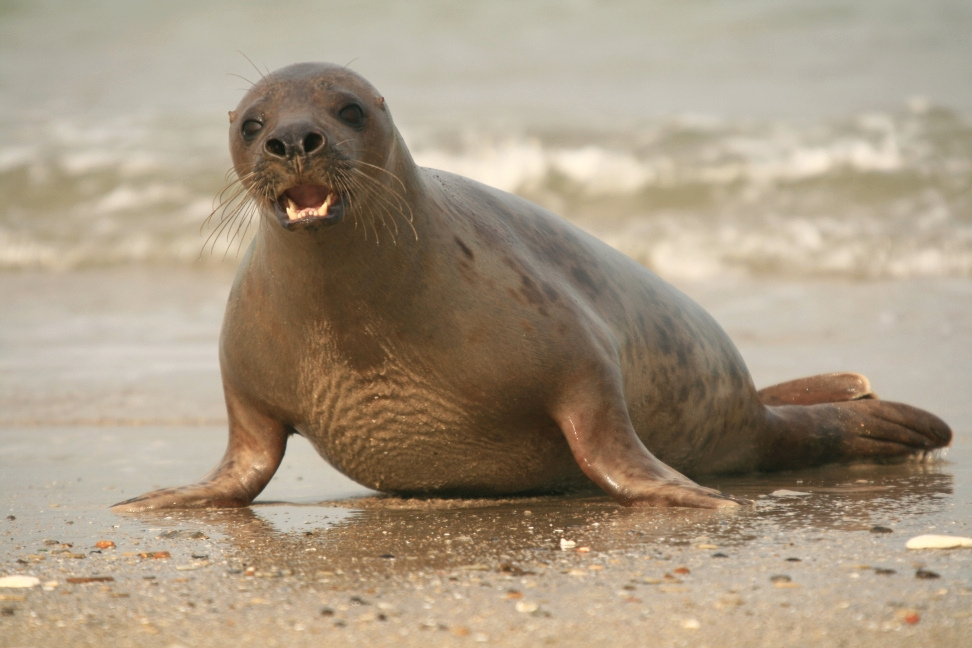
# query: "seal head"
300,138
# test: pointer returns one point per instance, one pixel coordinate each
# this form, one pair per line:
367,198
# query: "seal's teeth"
291,209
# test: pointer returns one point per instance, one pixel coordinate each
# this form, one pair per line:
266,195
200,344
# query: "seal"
429,334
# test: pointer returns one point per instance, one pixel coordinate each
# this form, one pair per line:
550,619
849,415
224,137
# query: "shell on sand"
938,542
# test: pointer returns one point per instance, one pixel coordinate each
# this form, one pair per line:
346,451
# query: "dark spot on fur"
465,249
681,351
532,295
467,272
700,389
584,279
664,341
549,291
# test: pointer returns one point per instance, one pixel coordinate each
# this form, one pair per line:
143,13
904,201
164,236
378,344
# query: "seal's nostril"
275,147
312,142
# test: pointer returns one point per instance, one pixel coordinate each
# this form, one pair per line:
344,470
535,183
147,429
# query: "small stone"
105,544
18,581
729,601
938,542
788,493
509,568
793,560
884,572
326,611
780,578
155,555
183,534
926,574
881,529
681,570
80,580
719,555
911,617
526,607
566,544
691,624
11,517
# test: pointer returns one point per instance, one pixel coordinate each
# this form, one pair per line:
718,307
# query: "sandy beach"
109,386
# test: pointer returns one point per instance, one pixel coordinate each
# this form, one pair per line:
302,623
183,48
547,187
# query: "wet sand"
109,386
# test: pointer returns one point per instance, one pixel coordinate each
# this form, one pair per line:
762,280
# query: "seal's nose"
289,140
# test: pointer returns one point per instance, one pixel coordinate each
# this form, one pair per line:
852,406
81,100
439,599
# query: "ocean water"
801,139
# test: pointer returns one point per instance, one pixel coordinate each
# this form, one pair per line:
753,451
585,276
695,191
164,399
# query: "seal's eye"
352,115
250,129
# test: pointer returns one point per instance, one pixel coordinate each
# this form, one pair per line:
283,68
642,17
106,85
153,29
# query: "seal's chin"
309,206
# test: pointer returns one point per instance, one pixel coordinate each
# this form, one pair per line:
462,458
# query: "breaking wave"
875,195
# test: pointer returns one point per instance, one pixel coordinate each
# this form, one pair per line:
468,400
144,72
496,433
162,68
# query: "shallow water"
811,139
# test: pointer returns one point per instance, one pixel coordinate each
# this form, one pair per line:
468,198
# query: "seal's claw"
194,496
693,496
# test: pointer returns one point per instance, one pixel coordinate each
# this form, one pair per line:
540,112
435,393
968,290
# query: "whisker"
394,203
250,61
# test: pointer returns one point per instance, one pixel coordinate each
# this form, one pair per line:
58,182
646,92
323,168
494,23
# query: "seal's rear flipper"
845,432
826,388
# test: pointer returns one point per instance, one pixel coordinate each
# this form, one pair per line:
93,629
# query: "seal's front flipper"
862,430
826,388
608,450
256,447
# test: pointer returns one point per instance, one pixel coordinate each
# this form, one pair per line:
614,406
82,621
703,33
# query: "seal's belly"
410,439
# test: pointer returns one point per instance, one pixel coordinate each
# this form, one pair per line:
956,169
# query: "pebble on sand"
526,607
938,542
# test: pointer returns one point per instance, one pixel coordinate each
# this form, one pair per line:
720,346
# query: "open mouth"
306,205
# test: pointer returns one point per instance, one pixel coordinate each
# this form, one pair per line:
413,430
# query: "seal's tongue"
307,200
